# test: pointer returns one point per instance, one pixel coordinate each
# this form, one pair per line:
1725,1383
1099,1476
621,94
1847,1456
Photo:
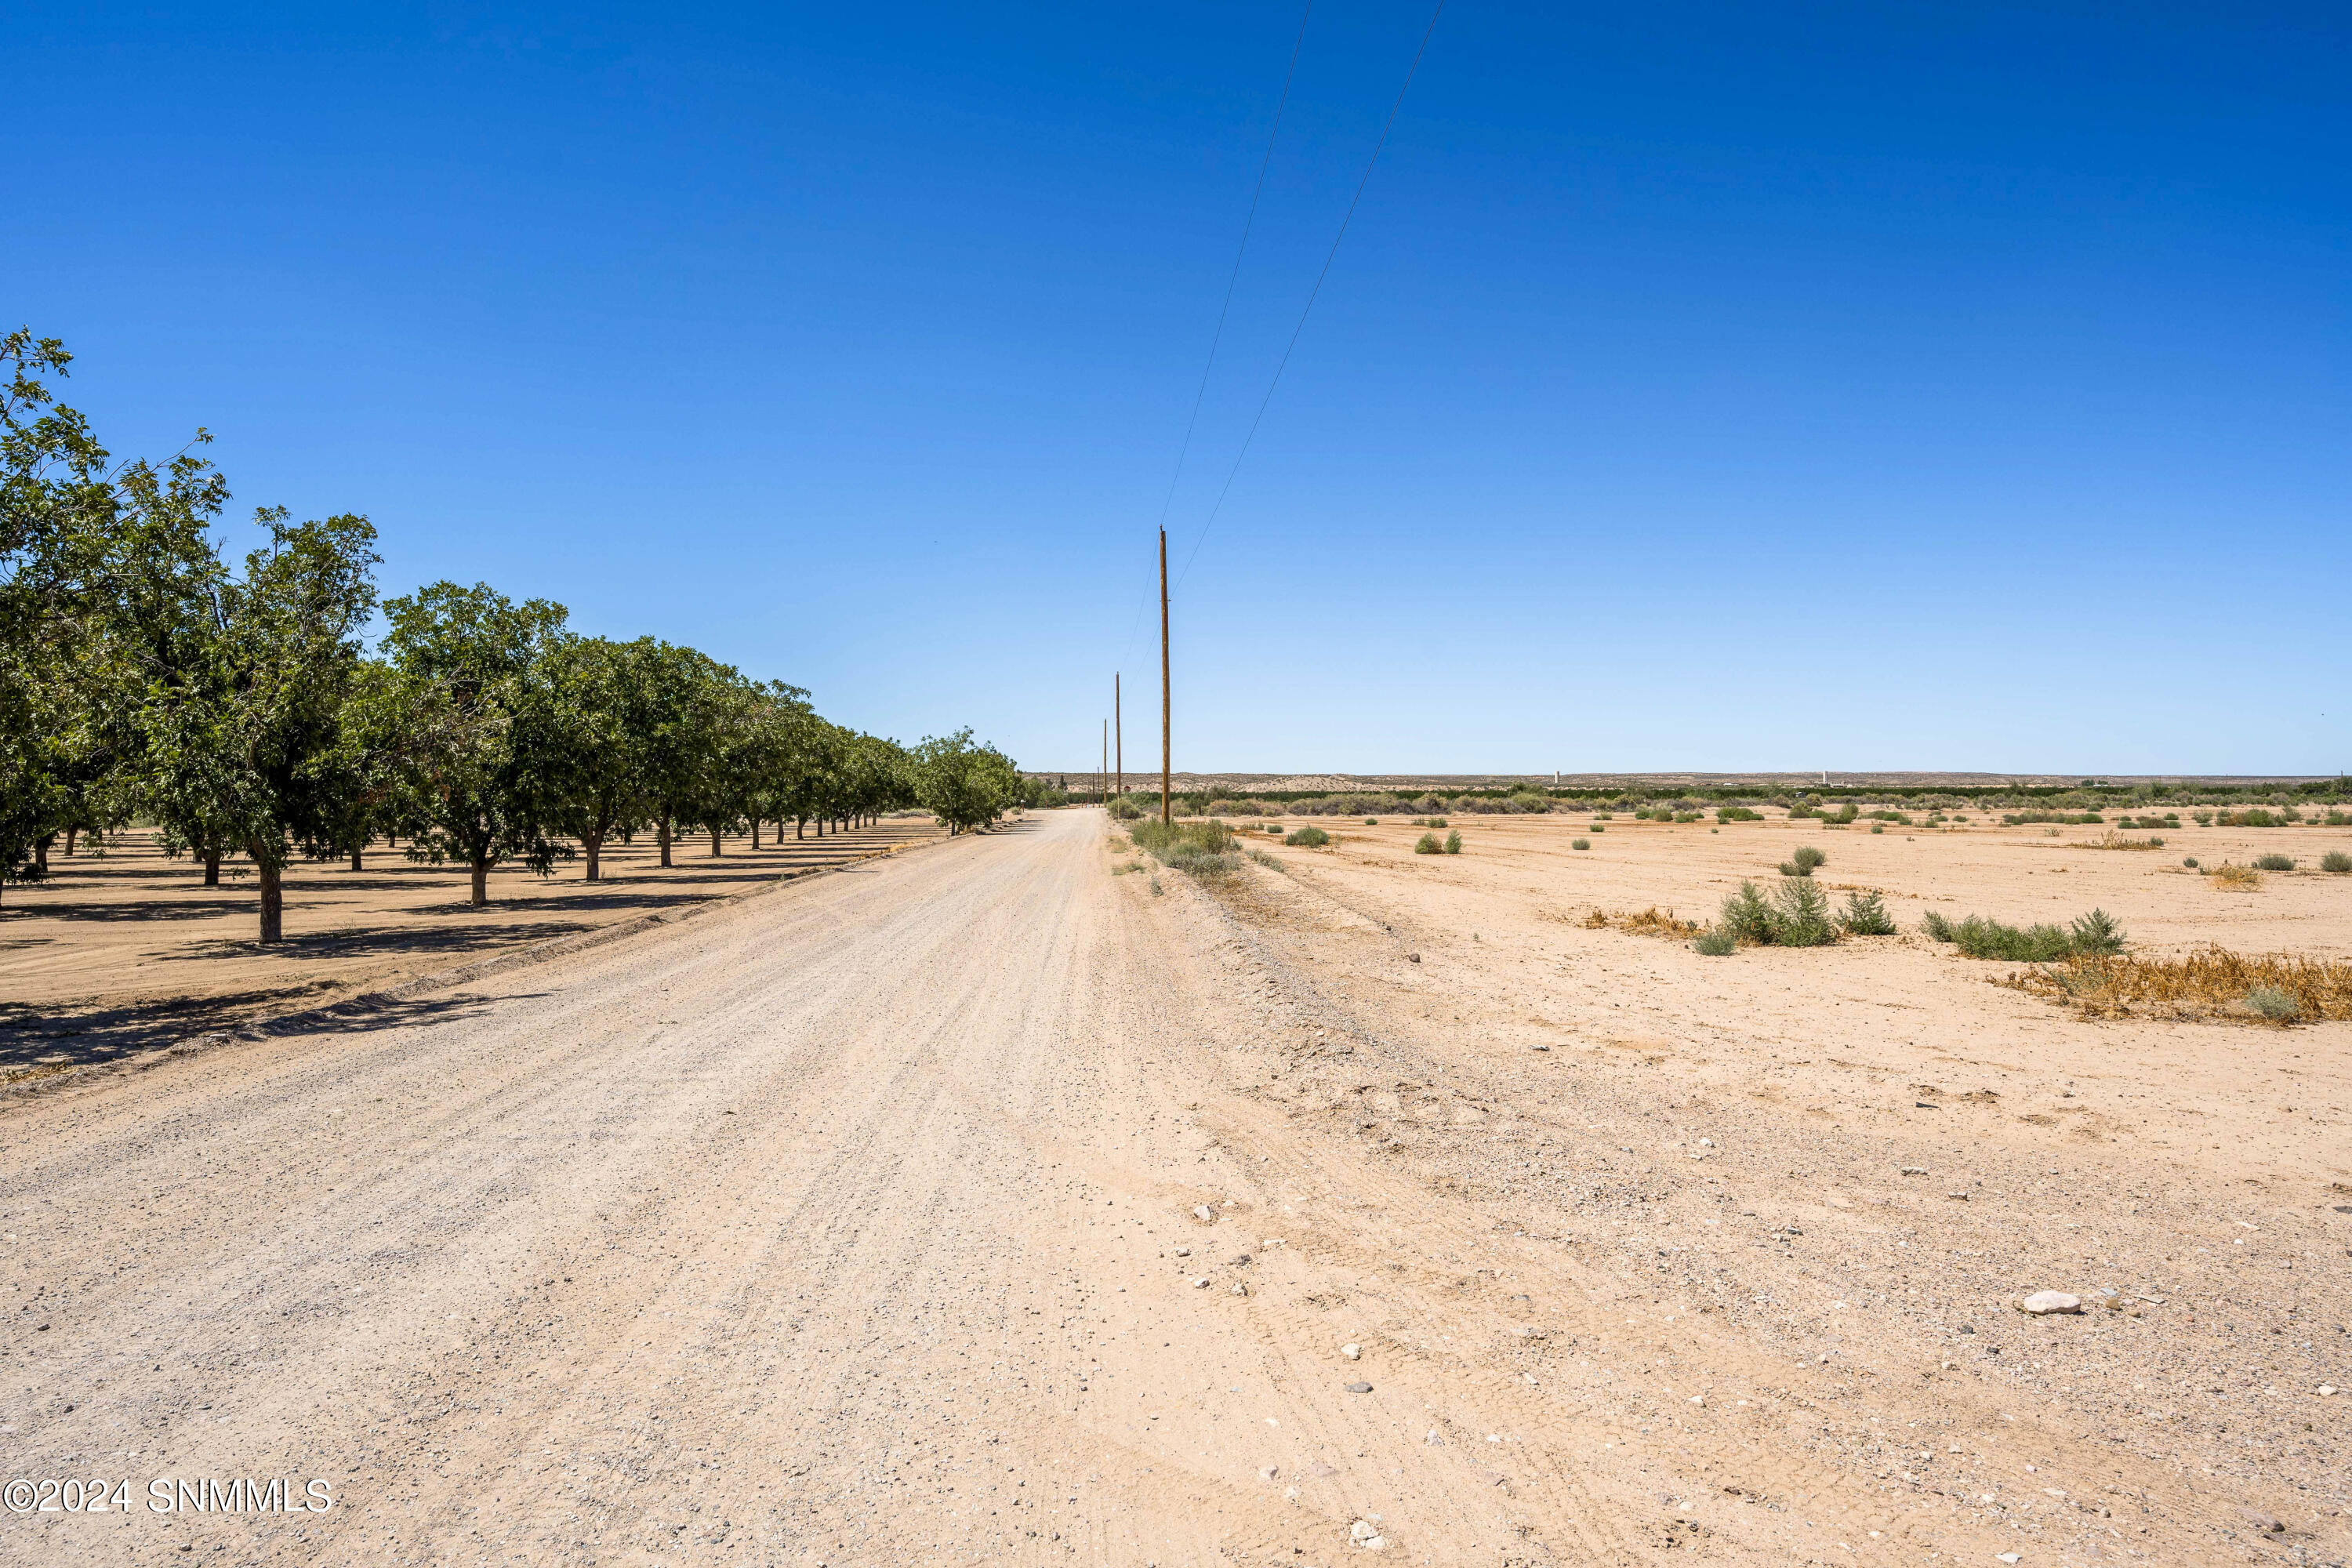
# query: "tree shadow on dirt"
77,1037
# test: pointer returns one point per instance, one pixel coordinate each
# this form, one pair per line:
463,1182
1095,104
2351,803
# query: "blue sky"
1698,386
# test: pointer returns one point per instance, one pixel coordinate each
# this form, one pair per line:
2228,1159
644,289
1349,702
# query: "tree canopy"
150,674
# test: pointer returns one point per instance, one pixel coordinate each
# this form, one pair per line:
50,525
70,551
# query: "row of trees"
144,676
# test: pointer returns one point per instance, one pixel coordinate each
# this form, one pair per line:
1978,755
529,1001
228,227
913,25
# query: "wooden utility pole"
1117,735
1102,779
1164,816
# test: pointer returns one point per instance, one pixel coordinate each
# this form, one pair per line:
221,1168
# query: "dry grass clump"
2213,983
2113,840
1200,849
2227,875
1652,921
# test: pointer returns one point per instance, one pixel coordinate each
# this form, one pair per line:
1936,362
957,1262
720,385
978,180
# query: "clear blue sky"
1699,386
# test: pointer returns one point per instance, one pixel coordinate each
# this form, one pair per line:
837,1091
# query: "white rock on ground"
2042,1304
1353,1352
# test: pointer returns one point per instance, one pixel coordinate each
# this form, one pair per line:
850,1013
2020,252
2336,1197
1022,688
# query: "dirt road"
977,1206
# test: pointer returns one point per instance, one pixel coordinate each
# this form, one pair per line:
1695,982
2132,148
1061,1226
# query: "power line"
1226,310
1241,251
1313,293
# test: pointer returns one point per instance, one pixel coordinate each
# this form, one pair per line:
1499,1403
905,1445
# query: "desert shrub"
1371,822
1263,858
2095,934
1156,889
2335,860
1803,862
1878,827
1901,819
1195,861
1687,817
1454,844
1800,915
1579,844
1842,815
2274,863
2190,861
1737,814
1746,915
1308,839
1528,801
2274,1003
2226,875
1604,817
1427,844
1429,822
1125,810
1198,848
1714,941
1866,915
1598,828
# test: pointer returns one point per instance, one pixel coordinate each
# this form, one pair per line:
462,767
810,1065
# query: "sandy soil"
127,950
985,1205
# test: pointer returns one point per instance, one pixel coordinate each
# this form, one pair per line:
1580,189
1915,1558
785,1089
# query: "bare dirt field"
127,950
989,1204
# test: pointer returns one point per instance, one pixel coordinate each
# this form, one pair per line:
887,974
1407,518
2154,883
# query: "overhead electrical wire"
1313,293
1241,251
1226,310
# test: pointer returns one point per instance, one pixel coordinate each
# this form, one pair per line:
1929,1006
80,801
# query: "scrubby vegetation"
2227,875
1803,862
1652,921
1737,814
1796,915
2274,863
2096,934
2213,984
1866,915
1716,943
2113,840
2335,860
1427,844
1579,844
1200,849
1309,838
1454,844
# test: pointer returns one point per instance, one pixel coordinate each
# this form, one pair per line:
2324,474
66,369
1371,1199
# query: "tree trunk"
273,901
662,835
820,828
714,843
481,880
72,834
800,828
211,867
755,836
594,844
41,854
357,850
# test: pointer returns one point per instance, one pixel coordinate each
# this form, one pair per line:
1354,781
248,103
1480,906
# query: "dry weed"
2112,840
1651,921
2212,983
2229,876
